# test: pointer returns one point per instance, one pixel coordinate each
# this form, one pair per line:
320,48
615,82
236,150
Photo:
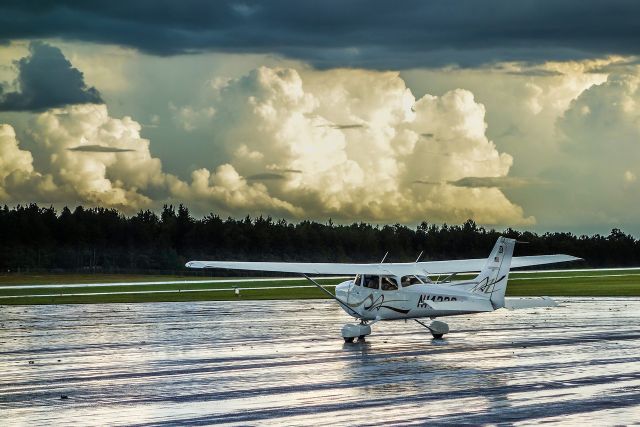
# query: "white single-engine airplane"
395,291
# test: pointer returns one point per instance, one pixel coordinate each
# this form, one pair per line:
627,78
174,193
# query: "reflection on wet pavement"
283,362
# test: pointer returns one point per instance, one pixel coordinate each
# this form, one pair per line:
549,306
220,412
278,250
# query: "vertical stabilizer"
492,280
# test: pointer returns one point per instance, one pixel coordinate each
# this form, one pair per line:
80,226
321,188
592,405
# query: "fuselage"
408,302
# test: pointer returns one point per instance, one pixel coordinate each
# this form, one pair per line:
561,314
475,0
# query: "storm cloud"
46,79
368,34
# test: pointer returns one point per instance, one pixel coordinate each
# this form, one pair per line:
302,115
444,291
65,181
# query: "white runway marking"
168,282
286,279
169,291
572,277
227,288
577,269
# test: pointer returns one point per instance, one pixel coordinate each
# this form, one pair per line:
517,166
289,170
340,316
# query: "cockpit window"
371,281
414,280
389,284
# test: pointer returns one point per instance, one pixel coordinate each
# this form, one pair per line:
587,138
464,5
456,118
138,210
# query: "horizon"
326,221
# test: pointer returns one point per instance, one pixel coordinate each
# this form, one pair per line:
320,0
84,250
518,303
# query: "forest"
34,238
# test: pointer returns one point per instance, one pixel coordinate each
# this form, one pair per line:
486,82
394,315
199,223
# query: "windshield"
424,279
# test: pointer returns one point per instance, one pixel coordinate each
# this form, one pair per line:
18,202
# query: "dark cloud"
501,182
266,177
498,182
620,66
47,79
364,33
286,170
343,126
275,174
99,149
535,72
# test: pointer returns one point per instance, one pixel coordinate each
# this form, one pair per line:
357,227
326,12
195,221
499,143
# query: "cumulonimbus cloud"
15,164
277,119
594,177
279,160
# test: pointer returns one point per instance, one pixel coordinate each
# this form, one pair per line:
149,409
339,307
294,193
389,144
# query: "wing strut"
423,324
342,303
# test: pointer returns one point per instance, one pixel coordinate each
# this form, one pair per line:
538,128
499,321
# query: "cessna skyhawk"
395,291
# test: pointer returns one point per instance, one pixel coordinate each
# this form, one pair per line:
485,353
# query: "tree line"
104,240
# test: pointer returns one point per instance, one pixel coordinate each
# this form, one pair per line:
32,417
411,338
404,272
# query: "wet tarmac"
283,362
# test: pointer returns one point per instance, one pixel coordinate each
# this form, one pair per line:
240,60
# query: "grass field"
78,289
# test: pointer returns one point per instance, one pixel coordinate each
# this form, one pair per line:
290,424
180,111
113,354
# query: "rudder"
492,280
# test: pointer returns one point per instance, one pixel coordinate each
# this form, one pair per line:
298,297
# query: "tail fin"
492,280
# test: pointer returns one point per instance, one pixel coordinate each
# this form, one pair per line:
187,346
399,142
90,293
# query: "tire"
361,338
348,339
437,336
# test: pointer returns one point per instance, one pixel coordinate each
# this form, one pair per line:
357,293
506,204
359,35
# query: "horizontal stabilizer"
529,302
529,261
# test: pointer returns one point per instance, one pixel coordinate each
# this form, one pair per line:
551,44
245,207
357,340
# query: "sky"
514,114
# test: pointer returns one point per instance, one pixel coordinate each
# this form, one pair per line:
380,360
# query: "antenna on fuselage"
419,256
384,257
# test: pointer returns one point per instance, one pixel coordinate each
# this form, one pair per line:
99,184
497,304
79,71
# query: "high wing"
396,269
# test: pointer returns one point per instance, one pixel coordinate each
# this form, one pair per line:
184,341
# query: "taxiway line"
223,281
164,291
167,291
167,282
573,277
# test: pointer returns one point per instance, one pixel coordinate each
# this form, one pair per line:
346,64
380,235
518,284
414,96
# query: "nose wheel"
351,331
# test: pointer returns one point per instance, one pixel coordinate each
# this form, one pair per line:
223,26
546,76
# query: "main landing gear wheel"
352,331
437,328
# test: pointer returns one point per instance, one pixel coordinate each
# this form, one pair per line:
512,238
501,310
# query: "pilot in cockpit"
415,280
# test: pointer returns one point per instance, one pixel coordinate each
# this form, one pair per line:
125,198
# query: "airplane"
395,291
